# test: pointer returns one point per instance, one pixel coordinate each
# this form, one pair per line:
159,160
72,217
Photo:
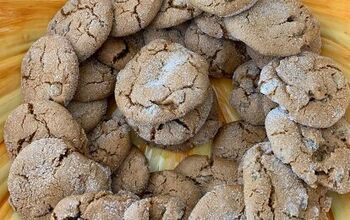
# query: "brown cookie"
223,202
275,27
96,81
164,81
85,23
175,34
222,55
212,25
133,174
251,105
312,88
50,71
235,138
88,114
101,205
46,171
43,119
273,191
318,156
208,173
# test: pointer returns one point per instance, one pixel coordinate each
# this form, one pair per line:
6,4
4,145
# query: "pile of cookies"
72,152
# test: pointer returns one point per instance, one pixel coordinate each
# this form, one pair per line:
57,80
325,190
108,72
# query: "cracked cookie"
251,105
36,120
273,191
96,81
163,82
101,205
208,173
234,139
85,23
157,207
133,174
47,171
221,54
175,34
223,202
88,114
275,27
318,156
130,16
312,88
212,25
50,71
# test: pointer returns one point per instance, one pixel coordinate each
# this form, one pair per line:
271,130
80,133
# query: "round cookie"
101,205
131,16
96,81
133,174
164,81
273,191
311,87
88,114
208,173
318,156
50,71
275,27
157,207
47,171
117,52
85,23
234,139
173,13
175,34
251,105
212,25
173,184
36,120
222,55
110,143
223,202
223,8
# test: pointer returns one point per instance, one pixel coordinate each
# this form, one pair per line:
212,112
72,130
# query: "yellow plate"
23,21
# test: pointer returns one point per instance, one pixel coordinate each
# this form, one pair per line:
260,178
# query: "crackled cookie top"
223,8
315,155
235,138
222,55
174,12
157,207
275,27
311,87
96,81
41,175
212,25
50,71
36,120
130,16
85,23
251,105
175,34
273,191
223,202
133,174
164,81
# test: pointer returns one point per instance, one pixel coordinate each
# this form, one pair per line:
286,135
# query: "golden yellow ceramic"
23,21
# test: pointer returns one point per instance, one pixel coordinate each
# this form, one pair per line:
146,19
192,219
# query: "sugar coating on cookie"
96,81
47,171
311,87
164,81
212,25
275,27
251,105
175,34
223,202
85,23
273,191
318,156
222,55
36,120
130,16
234,139
50,71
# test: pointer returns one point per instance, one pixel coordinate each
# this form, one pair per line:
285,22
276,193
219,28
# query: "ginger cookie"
174,34
212,25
